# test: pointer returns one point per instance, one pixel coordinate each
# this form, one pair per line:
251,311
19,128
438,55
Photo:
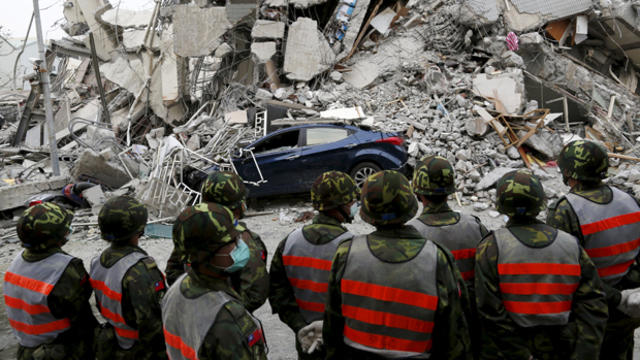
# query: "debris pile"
145,99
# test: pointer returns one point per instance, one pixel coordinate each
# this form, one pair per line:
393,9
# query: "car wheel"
362,171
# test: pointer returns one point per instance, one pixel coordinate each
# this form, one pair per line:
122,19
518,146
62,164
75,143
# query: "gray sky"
15,15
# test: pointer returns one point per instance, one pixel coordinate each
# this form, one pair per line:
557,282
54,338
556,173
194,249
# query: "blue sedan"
289,160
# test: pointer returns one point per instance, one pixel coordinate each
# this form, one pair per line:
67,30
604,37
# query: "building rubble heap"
490,85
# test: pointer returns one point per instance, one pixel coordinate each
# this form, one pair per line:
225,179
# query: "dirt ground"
280,338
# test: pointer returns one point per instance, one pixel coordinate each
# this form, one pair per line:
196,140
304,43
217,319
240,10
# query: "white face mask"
353,210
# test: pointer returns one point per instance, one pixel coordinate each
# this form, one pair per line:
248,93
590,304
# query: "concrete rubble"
186,84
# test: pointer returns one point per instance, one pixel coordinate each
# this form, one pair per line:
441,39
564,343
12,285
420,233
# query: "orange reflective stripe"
58,325
289,260
539,269
387,319
386,293
549,307
468,275
310,306
111,315
102,287
538,288
615,269
610,223
24,306
126,333
464,253
176,342
386,342
27,283
314,286
614,249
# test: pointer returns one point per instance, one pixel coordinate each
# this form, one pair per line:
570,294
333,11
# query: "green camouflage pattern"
618,337
387,199
333,189
227,338
69,298
584,160
225,188
143,288
438,215
451,339
281,296
434,175
121,218
202,229
252,281
43,225
520,193
502,338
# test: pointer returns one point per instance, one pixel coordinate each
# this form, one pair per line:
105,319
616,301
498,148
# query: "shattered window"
319,136
284,141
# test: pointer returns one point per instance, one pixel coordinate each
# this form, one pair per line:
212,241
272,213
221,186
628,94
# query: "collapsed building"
143,97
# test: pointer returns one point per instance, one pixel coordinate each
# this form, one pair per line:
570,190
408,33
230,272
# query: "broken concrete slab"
303,4
353,24
507,87
15,196
263,51
127,73
307,51
382,21
197,31
236,117
103,36
547,143
362,74
133,40
352,113
492,177
97,169
126,18
94,196
266,29
169,72
239,9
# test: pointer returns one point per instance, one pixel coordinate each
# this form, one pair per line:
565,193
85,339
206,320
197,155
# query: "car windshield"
317,136
284,141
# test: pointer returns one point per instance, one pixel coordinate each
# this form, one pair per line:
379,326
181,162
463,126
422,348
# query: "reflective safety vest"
537,284
611,233
389,308
27,286
107,284
307,266
460,238
187,321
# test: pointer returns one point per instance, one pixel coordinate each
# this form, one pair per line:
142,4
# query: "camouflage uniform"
203,229
143,285
70,295
434,176
579,163
388,203
330,190
521,197
252,282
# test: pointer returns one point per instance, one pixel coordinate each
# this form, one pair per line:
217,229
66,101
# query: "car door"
277,157
326,148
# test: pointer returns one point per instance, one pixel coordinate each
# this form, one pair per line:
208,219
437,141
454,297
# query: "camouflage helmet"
387,199
204,228
333,189
520,193
43,225
584,161
434,175
121,218
224,188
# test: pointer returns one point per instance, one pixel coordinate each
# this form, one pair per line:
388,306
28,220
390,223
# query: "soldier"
128,286
538,293
203,315
433,182
252,283
47,291
300,267
392,293
607,222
